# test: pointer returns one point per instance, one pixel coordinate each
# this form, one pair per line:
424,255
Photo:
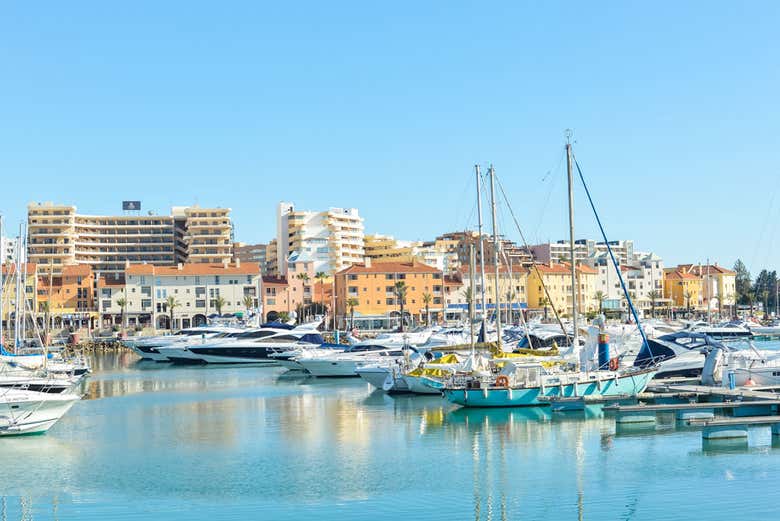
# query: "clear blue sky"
386,107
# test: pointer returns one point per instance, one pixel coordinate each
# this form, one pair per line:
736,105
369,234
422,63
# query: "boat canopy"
277,325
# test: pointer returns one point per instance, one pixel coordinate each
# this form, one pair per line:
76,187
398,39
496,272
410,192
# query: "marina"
185,442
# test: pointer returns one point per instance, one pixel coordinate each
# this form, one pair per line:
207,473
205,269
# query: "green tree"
654,296
172,304
122,303
400,293
600,297
427,298
305,278
249,302
743,283
352,303
688,296
219,303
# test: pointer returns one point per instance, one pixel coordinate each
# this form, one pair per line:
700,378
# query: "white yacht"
346,363
29,412
252,347
680,354
148,348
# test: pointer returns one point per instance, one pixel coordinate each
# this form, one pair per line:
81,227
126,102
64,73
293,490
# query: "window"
216,279
200,292
200,303
390,301
106,304
146,303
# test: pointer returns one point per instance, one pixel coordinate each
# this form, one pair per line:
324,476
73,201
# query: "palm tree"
687,295
544,302
400,292
470,301
654,296
172,303
249,302
46,308
122,303
352,303
426,298
510,296
321,276
219,303
305,278
600,297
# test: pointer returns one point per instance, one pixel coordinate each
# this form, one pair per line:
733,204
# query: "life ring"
502,381
614,364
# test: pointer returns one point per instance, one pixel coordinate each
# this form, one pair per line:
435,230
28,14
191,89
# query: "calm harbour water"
150,441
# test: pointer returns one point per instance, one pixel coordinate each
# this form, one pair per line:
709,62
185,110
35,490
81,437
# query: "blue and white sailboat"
516,384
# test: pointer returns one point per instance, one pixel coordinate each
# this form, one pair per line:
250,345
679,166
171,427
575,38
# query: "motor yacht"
29,412
149,348
345,364
251,347
680,354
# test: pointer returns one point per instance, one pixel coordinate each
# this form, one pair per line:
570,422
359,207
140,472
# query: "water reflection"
294,447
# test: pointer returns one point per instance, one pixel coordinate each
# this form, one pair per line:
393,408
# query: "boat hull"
27,413
631,384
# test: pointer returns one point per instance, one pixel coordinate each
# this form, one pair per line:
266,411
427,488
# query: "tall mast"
574,307
17,296
472,276
481,250
2,293
495,253
23,278
709,297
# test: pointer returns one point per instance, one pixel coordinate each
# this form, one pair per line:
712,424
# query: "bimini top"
277,325
668,346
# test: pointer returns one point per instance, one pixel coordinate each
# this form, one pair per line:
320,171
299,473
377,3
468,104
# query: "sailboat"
31,400
512,384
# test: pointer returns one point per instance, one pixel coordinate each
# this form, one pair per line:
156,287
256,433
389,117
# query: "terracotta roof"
77,269
502,268
713,270
30,268
563,268
390,267
247,268
679,275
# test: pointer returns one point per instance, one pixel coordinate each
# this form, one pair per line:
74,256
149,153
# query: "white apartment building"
59,236
198,288
8,247
583,248
642,273
333,238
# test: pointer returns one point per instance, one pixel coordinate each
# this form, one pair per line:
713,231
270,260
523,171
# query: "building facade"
8,247
59,236
512,287
682,288
252,253
556,278
333,238
372,287
200,290
583,248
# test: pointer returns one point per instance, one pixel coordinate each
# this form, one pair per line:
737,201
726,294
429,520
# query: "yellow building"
557,279
718,288
8,293
512,288
383,248
683,288
372,286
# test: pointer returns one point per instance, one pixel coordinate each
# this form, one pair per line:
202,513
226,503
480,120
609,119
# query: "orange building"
372,285
70,296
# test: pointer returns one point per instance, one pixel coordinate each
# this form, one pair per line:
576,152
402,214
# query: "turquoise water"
156,442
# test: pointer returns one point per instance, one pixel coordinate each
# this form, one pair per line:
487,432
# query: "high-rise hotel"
58,236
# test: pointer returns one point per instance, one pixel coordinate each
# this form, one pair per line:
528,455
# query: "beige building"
198,288
332,239
59,236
